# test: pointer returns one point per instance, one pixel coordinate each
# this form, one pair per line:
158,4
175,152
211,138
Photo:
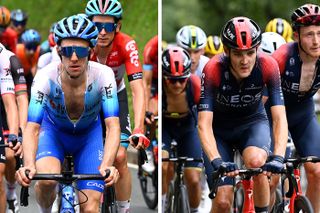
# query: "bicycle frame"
248,204
296,173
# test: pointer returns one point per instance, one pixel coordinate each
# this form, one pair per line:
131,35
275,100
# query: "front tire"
183,201
302,205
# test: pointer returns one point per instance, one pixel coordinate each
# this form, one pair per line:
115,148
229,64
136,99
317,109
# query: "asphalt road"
137,203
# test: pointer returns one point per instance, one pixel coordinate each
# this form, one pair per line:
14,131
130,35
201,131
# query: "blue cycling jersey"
47,98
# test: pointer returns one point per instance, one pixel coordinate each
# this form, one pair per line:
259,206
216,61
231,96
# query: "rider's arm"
20,90
11,109
280,129
30,144
147,80
112,141
207,139
138,100
279,119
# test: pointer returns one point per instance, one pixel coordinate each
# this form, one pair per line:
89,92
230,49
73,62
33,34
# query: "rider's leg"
192,181
313,188
90,202
10,174
46,190
255,157
2,189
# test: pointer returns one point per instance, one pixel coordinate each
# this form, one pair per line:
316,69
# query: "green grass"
140,18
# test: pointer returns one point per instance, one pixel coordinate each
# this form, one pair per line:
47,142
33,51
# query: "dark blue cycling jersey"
235,103
302,121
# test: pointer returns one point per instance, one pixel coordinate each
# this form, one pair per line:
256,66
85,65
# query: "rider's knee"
89,208
222,204
314,173
46,185
192,177
9,155
121,159
255,162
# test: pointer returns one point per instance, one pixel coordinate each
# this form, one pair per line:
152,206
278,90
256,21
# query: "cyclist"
181,92
8,37
20,88
150,80
48,44
270,42
28,53
299,67
280,26
232,115
120,52
65,104
19,20
213,47
193,39
9,102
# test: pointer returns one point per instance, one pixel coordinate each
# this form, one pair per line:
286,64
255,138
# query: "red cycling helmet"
306,15
176,63
241,33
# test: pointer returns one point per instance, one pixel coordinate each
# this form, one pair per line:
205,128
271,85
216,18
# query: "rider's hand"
149,118
21,177
228,168
143,142
274,164
17,148
113,177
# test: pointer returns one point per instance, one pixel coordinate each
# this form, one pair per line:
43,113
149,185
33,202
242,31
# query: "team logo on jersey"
7,70
39,98
292,61
134,58
108,91
89,87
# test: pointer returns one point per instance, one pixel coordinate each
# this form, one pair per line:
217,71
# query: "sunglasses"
108,27
175,80
19,23
2,29
310,20
31,46
81,52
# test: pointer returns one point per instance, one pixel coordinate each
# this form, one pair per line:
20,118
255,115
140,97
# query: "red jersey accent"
9,39
150,55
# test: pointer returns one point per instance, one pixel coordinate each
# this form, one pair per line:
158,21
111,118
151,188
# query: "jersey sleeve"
210,80
132,63
39,93
271,77
195,81
110,104
150,54
281,55
6,81
20,85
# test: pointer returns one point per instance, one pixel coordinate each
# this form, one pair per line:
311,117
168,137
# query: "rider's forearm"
280,130
22,101
147,80
112,140
30,143
138,101
11,112
207,139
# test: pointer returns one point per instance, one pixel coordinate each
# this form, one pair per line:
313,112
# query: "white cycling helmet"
270,42
191,37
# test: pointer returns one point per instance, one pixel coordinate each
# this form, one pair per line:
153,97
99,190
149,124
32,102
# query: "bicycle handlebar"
221,173
135,140
64,178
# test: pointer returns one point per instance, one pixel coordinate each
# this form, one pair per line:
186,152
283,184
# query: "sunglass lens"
81,52
108,27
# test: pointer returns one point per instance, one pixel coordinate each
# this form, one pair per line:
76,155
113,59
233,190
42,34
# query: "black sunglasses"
175,80
31,46
108,27
21,23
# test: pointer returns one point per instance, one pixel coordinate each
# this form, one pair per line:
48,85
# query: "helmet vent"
176,66
243,38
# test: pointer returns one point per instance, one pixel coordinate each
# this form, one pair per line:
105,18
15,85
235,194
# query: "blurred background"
211,15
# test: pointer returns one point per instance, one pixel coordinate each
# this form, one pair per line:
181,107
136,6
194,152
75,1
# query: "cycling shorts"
185,133
86,149
254,134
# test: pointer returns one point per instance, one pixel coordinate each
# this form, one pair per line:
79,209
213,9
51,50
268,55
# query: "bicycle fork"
296,173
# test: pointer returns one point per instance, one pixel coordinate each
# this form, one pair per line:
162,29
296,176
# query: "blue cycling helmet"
18,15
104,7
31,36
76,26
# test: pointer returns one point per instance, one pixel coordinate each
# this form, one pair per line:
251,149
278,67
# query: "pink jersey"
123,58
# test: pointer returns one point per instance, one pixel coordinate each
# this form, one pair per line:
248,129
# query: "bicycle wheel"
149,186
182,201
238,198
109,201
170,199
302,205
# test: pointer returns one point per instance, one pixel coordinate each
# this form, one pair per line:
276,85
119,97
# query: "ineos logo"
230,34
